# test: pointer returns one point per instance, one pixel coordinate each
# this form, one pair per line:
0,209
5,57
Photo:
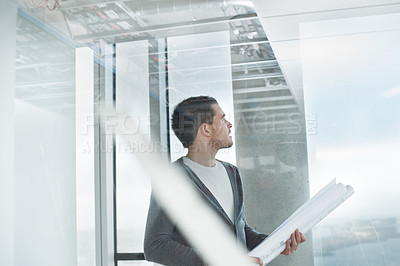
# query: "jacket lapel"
236,194
207,193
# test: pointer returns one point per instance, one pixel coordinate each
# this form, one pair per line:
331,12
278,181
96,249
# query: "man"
201,126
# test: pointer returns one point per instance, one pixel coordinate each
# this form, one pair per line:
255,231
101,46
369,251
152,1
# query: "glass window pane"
351,83
199,64
133,105
8,16
45,214
85,157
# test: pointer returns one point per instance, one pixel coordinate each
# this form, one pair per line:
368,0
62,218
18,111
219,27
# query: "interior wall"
274,169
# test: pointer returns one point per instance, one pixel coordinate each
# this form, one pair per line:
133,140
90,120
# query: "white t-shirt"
216,179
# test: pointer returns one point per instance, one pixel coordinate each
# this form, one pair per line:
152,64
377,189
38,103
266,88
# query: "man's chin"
227,145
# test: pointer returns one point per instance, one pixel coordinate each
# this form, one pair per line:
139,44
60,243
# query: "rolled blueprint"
304,218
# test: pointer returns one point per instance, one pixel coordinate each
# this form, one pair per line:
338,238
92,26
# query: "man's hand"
257,261
296,238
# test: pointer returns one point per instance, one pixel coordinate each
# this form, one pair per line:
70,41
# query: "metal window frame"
164,138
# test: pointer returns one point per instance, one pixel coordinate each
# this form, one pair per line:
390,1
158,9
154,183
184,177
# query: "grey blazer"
164,244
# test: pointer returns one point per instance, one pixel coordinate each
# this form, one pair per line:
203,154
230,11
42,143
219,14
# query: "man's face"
220,129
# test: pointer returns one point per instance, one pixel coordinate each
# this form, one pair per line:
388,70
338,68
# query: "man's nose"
229,124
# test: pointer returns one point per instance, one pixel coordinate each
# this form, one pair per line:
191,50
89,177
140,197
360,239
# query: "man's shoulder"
227,165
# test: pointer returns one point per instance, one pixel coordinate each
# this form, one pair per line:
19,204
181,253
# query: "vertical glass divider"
163,97
85,158
107,155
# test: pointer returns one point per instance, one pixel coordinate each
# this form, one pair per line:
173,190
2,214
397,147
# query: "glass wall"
133,182
46,188
200,64
45,228
351,83
83,78
84,192
8,15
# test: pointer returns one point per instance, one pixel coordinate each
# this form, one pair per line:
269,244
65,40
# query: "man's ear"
205,129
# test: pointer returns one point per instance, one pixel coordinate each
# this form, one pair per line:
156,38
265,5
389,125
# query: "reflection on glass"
351,85
45,158
133,106
85,157
200,65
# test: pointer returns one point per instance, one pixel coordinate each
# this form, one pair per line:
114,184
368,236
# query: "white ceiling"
281,20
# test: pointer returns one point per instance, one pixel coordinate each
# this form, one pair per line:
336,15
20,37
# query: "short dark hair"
189,115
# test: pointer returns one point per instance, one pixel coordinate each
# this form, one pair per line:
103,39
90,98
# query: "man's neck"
205,158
